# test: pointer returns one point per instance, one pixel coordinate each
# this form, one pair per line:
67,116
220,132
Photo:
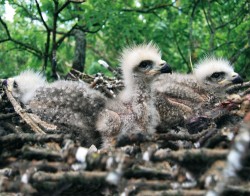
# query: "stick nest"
212,161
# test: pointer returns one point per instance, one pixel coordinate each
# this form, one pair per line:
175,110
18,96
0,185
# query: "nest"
212,161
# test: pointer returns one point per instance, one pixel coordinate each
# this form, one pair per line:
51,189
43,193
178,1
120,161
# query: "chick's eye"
145,64
15,85
216,75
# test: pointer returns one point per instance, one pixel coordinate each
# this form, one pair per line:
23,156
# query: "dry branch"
11,140
25,116
235,160
147,172
11,127
6,116
71,176
171,163
36,153
189,155
173,193
237,87
140,138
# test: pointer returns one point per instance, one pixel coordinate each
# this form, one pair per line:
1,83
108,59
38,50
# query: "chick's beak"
162,68
237,80
8,83
4,82
166,68
234,78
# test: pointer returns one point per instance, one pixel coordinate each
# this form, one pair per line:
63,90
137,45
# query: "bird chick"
133,110
216,73
24,85
180,96
72,106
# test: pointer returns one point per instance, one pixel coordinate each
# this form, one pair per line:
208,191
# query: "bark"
80,50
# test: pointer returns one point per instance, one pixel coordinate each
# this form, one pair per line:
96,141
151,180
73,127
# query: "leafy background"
184,30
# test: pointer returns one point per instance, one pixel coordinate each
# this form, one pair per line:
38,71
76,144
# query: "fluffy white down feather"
207,66
27,83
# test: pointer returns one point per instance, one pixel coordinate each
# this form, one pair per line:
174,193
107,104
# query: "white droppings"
234,159
96,79
109,163
230,136
245,137
146,156
77,166
175,185
25,178
197,145
189,176
103,63
81,154
211,193
189,184
92,149
208,181
123,194
113,178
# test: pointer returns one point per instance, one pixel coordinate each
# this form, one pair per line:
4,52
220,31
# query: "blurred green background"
57,35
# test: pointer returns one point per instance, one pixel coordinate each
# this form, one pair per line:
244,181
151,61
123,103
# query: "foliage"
184,30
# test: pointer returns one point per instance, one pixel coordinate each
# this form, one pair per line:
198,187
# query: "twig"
173,193
71,176
182,156
35,153
25,116
140,185
11,140
235,160
6,116
237,87
147,172
140,138
10,127
245,92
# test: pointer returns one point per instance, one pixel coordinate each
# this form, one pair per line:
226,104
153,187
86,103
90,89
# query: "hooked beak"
233,79
237,80
8,83
166,68
4,82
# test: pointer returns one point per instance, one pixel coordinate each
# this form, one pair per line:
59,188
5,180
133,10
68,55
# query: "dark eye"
146,64
217,74
15,85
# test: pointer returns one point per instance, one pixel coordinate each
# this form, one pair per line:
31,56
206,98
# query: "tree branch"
26,46
4,40
148,10
179,50
191,44
63,6
32,17
207,19
59,42
40,14
236,17
25,116
5,27
67,3
236,55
